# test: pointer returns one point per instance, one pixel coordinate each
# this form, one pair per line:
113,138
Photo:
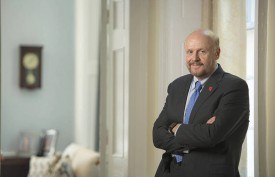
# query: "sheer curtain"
270,84
227,18
266,65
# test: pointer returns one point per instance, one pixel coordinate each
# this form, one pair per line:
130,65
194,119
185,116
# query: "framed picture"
48,143
28,142
30,66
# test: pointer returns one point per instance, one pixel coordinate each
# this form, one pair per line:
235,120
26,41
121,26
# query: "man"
205,118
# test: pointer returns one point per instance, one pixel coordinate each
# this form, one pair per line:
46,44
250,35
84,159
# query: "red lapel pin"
210,88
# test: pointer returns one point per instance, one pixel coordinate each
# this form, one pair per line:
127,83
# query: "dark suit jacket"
215,149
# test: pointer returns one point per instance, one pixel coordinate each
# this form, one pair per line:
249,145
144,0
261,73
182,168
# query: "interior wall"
50,24
138,73
153,155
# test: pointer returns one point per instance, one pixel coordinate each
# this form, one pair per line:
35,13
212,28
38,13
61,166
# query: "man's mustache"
195,63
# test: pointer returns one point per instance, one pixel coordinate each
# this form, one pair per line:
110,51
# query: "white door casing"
117,88
123,132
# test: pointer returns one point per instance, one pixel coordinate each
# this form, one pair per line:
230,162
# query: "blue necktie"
189,108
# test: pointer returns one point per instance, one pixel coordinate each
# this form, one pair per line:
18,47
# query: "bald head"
212,38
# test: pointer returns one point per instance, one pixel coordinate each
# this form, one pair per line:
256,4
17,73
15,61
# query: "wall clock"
30,66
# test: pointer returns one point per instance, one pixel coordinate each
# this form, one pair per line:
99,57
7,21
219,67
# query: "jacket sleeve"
162,138
231,115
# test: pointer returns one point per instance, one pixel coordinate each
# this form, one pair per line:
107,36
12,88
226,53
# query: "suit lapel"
210,86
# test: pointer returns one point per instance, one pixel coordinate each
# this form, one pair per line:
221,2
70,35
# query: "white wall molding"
87,73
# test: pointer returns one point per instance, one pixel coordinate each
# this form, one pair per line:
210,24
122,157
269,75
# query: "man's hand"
174,130
173,127
211,120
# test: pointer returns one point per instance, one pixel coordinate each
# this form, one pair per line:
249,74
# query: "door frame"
137,107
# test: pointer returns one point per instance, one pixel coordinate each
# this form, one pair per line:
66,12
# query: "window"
250,30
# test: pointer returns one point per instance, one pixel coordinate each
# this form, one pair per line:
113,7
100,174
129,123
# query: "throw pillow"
42,166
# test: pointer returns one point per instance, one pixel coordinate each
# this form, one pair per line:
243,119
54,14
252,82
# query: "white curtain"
266,82
227,18
270,85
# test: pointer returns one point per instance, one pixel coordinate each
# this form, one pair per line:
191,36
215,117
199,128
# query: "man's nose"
196,56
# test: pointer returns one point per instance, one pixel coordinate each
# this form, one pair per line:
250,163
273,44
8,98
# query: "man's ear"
218,51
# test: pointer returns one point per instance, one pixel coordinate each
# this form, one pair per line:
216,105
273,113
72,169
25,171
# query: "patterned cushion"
42,166
76,161
54,166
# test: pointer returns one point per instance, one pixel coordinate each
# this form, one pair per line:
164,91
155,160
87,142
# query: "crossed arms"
230,114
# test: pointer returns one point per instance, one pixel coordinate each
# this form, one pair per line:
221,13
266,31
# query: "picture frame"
48,143
30,66
28,142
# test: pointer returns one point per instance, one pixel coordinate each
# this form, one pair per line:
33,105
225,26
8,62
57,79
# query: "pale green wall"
49,23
